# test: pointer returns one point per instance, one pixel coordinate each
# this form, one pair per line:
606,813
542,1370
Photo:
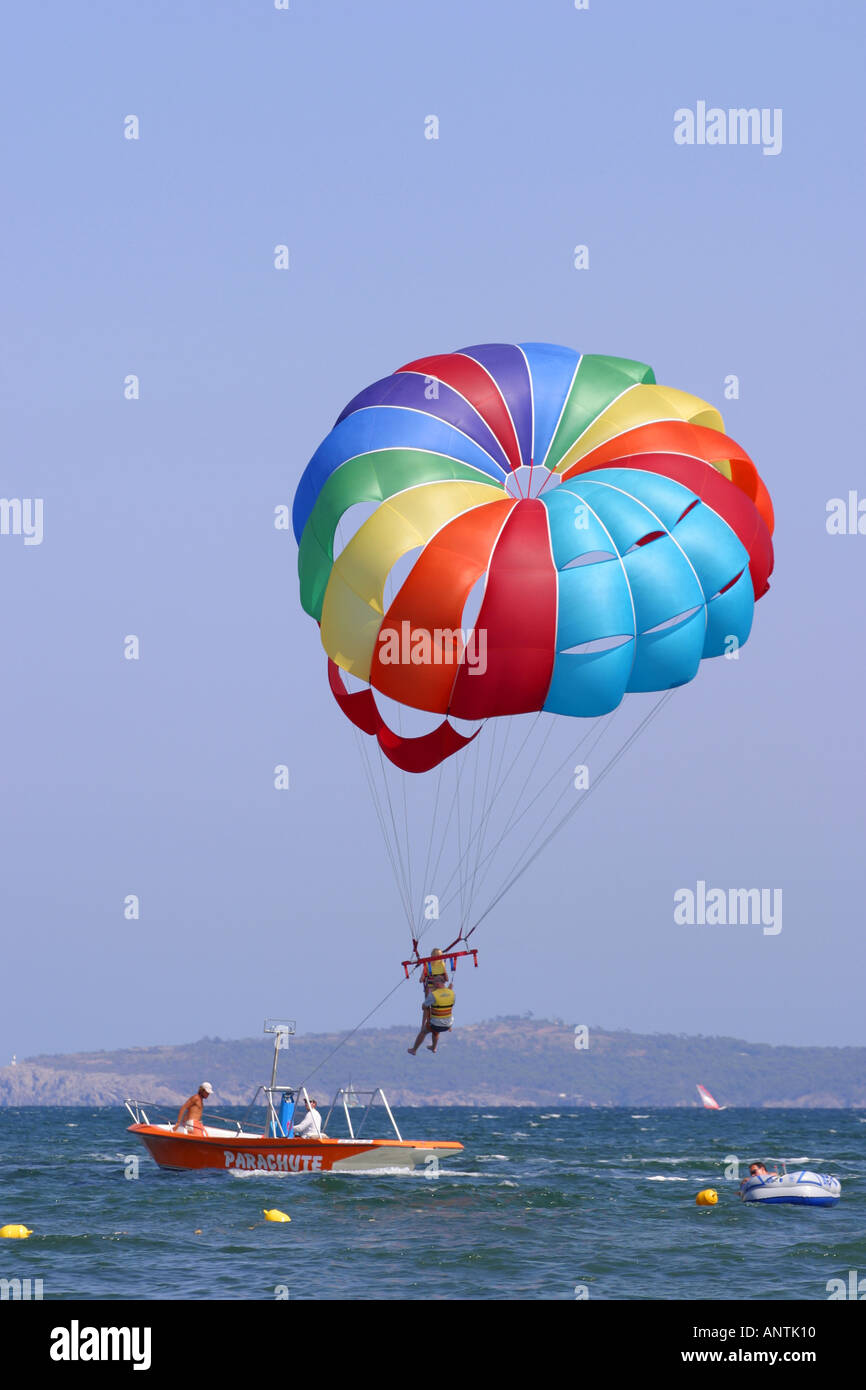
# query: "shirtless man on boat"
189,1117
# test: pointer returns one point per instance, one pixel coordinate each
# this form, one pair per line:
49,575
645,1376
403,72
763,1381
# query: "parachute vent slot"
673,622
689,508
730,584
645,540
592,557
598,644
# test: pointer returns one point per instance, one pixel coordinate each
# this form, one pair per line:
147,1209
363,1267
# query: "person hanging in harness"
433,972
437,1015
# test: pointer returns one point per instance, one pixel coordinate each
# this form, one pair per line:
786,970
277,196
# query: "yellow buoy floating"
274,1215
707,1198
15,1232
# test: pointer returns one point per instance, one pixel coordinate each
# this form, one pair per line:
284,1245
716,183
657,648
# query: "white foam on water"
260,1173
629,1158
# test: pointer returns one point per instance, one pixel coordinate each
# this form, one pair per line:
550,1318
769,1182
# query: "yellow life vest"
443,1003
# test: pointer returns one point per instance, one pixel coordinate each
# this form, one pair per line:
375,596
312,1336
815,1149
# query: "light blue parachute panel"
663,583
576,529
591,682
665,497
593,605
622,511
643,617
730,615
719,557
664,586
717,554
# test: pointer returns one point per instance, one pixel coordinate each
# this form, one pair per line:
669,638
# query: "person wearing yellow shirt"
433,973
437,1016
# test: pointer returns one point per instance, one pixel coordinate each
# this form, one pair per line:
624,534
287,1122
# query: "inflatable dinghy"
801,1188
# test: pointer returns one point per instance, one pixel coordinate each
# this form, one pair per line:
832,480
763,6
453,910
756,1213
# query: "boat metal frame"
346,1097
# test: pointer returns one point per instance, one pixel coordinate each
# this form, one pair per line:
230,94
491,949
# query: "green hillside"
506,1061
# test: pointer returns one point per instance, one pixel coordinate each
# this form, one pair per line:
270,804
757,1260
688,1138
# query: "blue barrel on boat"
282,1127
286,1116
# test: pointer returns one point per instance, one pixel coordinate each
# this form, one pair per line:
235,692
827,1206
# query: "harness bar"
451,956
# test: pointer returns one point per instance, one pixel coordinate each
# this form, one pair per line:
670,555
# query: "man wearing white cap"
189,1119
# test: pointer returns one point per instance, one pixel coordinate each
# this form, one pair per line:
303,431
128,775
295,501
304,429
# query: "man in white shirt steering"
310,1127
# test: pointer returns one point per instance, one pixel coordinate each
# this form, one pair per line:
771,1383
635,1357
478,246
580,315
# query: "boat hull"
229,1152
800,1189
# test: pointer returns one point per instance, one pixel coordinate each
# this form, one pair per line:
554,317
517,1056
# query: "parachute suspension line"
599,733
474,790
457,770
446,828
454,819
467,887
609,766
411,891
595,733
557,771
392,839
377,804
448,824
399,878
486,806
398,844
418,929
476,846
510,822
444,832
502,779
464,845
352,1031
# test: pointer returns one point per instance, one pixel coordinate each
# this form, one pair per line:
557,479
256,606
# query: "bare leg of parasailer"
425,1029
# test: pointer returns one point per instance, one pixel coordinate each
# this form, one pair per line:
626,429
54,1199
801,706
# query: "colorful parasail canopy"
615,534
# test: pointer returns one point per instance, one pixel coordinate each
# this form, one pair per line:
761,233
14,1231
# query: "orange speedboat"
237,1146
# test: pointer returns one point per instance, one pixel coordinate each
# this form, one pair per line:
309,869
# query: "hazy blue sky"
155,257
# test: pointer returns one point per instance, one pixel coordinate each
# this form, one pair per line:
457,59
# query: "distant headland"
505,1061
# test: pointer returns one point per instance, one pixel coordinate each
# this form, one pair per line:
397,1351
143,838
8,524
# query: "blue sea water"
540,1205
